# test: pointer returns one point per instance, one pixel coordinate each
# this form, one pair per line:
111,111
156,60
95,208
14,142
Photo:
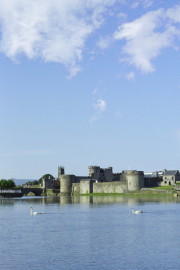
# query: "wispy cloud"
130,76
147,36
122,16
145,3
104,42
99,104
52,30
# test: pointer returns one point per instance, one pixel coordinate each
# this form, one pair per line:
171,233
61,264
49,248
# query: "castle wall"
152,181
108,174
79,178
86,186
110,187
116,176
75,188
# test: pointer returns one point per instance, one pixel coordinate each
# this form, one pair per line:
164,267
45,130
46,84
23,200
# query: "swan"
34,213
136,212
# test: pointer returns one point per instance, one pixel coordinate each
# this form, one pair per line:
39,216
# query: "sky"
89,82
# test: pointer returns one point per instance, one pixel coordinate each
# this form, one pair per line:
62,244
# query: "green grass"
164,187
131,194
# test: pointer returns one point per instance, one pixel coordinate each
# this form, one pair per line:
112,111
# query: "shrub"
7,184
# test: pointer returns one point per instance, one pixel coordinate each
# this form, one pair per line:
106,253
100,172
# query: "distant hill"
19,182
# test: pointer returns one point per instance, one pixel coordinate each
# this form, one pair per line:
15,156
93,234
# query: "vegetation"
163,188
38,182
46,177
32,183
7,184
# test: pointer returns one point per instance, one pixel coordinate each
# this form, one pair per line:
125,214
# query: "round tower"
66,183
135,179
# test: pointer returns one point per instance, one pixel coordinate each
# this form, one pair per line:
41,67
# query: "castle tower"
135,179
94,172
60,171
66,184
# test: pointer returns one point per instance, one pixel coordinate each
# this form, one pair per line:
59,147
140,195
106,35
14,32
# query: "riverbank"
144,192
160,191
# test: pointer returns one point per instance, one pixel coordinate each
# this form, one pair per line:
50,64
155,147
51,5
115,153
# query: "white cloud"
174,14
145,3
122,16
104,42
130,76
100,105
135,4
147,36
148,3
52,30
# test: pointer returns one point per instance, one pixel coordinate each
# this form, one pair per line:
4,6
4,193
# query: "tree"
31,183
7,184
11,183
45,177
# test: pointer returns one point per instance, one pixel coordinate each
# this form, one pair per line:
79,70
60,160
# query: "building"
103,180
153,179
170,177
101,174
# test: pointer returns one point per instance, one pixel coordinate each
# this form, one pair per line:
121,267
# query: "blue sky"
92,82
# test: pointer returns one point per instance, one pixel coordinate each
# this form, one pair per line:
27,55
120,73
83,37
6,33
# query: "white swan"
136,212
34,213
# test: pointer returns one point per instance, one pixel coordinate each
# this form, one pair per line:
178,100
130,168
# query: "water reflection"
63,200
90,232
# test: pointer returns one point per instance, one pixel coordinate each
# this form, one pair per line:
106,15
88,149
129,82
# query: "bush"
45,177
7,184
31,183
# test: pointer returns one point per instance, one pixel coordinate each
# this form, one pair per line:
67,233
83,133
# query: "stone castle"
99,180
103,180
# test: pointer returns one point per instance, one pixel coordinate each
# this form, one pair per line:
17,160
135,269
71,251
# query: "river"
86,233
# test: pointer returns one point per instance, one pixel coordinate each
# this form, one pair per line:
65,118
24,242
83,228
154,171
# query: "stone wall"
86,186
76,188
152,182
108,174
79,178
110,187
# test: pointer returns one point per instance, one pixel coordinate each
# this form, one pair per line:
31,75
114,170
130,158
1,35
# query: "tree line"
7,184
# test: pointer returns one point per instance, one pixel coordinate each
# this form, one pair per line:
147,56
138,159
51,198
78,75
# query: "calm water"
89,233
